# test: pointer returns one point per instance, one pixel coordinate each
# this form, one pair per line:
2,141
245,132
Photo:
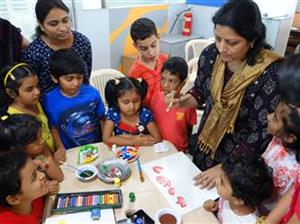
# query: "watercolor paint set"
82,201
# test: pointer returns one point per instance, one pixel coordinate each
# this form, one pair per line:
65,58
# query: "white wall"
95,25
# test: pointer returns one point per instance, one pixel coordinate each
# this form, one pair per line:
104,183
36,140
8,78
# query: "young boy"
21,190
74,110
148,65
174,123
244,182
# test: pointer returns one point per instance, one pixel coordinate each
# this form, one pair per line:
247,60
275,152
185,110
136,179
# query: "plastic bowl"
86,172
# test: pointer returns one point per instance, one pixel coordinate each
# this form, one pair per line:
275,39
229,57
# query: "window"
21,14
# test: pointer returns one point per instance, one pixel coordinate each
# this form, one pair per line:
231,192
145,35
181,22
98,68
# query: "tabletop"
148,196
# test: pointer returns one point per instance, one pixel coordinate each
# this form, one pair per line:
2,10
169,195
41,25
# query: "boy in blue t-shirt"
74,110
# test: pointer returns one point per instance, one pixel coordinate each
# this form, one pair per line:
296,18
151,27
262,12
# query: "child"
174,123
74,110
23,131
284,149
243,183
20,95
21,190
127,123
148,65
280,155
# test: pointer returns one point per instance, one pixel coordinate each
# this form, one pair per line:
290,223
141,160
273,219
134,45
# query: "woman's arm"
186,100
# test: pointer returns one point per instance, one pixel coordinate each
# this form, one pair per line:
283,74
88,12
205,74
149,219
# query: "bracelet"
261,220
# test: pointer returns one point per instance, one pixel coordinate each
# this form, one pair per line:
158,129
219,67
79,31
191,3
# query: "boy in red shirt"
174,123
21,189
149,63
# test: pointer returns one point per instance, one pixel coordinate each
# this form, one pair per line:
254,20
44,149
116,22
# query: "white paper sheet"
172,175
107,217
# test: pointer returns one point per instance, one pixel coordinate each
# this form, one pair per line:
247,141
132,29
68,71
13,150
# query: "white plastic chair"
197,46
99,78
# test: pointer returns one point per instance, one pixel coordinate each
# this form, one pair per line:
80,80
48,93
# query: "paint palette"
82,201
113,168
128,153
87,153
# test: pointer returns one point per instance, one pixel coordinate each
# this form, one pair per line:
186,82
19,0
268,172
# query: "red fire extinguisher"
187,23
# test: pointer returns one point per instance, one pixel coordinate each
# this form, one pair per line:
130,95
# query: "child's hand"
210,205
60,155
53,187
144,140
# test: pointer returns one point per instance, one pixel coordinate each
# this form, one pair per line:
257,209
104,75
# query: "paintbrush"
85,172
176,95
142,178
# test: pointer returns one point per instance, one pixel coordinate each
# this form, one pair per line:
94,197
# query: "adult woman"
11,43
237,80
53,33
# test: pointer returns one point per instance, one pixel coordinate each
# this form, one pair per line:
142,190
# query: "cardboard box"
127,61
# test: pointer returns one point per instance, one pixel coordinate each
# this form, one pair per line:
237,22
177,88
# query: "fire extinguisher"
187,23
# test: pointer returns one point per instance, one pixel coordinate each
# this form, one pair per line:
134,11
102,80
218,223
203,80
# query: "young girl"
20,95
127,123
23,132
280,155
243,183
283,153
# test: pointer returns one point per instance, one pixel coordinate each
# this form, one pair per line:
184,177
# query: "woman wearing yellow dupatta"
238,82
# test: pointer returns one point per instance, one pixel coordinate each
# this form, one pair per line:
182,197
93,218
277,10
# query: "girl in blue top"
127,122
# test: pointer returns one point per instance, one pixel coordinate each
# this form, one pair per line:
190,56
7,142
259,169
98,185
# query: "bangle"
261,220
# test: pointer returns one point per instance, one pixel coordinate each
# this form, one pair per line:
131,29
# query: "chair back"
196,46
99,78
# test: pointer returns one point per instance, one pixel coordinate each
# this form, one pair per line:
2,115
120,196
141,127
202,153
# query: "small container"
86,172
167,216
114,148
117,182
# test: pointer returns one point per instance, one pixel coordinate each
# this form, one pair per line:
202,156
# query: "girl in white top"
280,154
244,182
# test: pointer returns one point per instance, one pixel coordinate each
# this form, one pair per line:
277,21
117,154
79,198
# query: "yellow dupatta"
227,101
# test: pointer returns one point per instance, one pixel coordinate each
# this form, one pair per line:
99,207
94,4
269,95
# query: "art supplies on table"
110,169
176,184
128,153
82,201
142,178
107,217
87,153
86,172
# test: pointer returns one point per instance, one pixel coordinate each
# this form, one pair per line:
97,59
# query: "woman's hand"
207,179
210,205
185,100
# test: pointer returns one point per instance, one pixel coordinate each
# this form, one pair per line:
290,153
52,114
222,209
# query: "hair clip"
4,117
139,79
117,81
